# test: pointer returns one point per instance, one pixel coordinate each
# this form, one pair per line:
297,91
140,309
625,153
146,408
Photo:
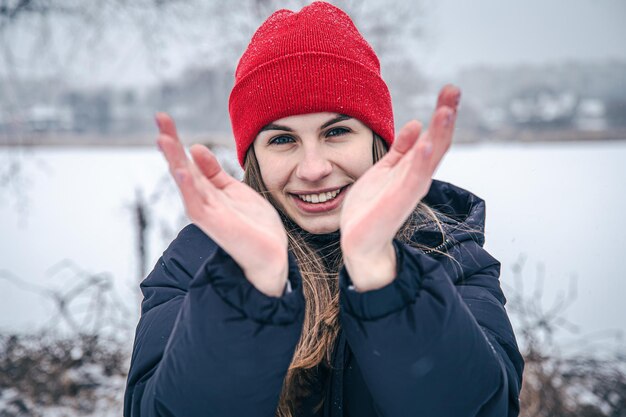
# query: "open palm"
384,197
234,215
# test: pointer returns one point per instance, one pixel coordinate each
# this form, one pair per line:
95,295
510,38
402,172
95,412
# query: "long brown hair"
321,288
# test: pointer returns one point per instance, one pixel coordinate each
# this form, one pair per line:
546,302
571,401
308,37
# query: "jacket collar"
463,216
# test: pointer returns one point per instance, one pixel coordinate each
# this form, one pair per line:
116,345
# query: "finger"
405,140
209,166
449,96
196,189
437,140
428,151
179,162
407,137
192,196
197,192
166,125
173,151
169,143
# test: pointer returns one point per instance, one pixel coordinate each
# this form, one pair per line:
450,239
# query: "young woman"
338,279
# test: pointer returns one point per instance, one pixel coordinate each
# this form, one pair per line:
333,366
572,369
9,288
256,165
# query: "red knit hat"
310,61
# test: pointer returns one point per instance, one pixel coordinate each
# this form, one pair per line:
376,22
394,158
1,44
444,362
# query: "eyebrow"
272,126
332,121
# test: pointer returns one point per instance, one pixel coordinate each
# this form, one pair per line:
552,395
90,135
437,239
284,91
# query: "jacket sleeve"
428,347
208,342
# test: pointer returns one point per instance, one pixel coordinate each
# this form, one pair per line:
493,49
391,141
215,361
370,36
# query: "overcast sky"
462,33
457,34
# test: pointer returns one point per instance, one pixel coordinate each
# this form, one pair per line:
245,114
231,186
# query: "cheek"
274,174
362,159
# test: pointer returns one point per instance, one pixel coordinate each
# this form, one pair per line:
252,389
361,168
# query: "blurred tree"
587,382
616,112
99,41
65,52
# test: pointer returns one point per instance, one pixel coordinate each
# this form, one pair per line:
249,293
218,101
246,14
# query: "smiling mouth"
321,197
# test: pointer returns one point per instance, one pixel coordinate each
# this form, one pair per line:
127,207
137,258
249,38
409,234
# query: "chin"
323,231
318,228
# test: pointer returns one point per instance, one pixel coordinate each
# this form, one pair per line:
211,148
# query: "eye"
280,140
337,131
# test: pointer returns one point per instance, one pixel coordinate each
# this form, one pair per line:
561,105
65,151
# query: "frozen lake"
560,206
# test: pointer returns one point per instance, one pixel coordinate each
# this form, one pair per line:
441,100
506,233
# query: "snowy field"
558,206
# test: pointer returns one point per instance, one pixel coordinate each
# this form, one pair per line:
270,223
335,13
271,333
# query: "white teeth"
319,198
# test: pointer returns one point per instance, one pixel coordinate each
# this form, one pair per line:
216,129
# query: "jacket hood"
462,216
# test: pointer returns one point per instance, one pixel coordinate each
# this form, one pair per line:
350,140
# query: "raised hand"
383,198
235,216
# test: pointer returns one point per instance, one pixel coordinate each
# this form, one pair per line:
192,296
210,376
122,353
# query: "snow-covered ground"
559,205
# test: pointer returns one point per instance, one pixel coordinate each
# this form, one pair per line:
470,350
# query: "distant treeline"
569,96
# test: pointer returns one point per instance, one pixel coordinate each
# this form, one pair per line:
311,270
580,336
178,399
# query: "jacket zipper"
438,247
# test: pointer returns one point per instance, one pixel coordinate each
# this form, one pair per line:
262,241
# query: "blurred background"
87,206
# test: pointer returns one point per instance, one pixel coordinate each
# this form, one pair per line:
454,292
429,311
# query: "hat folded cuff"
305,83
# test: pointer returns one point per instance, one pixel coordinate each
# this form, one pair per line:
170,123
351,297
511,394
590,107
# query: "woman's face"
309,161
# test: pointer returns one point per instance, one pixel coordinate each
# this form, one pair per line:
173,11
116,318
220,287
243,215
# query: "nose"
313,166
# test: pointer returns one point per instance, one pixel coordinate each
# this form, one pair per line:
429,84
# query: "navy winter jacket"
434,342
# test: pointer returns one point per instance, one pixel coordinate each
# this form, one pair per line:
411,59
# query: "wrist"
269,281
372,270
